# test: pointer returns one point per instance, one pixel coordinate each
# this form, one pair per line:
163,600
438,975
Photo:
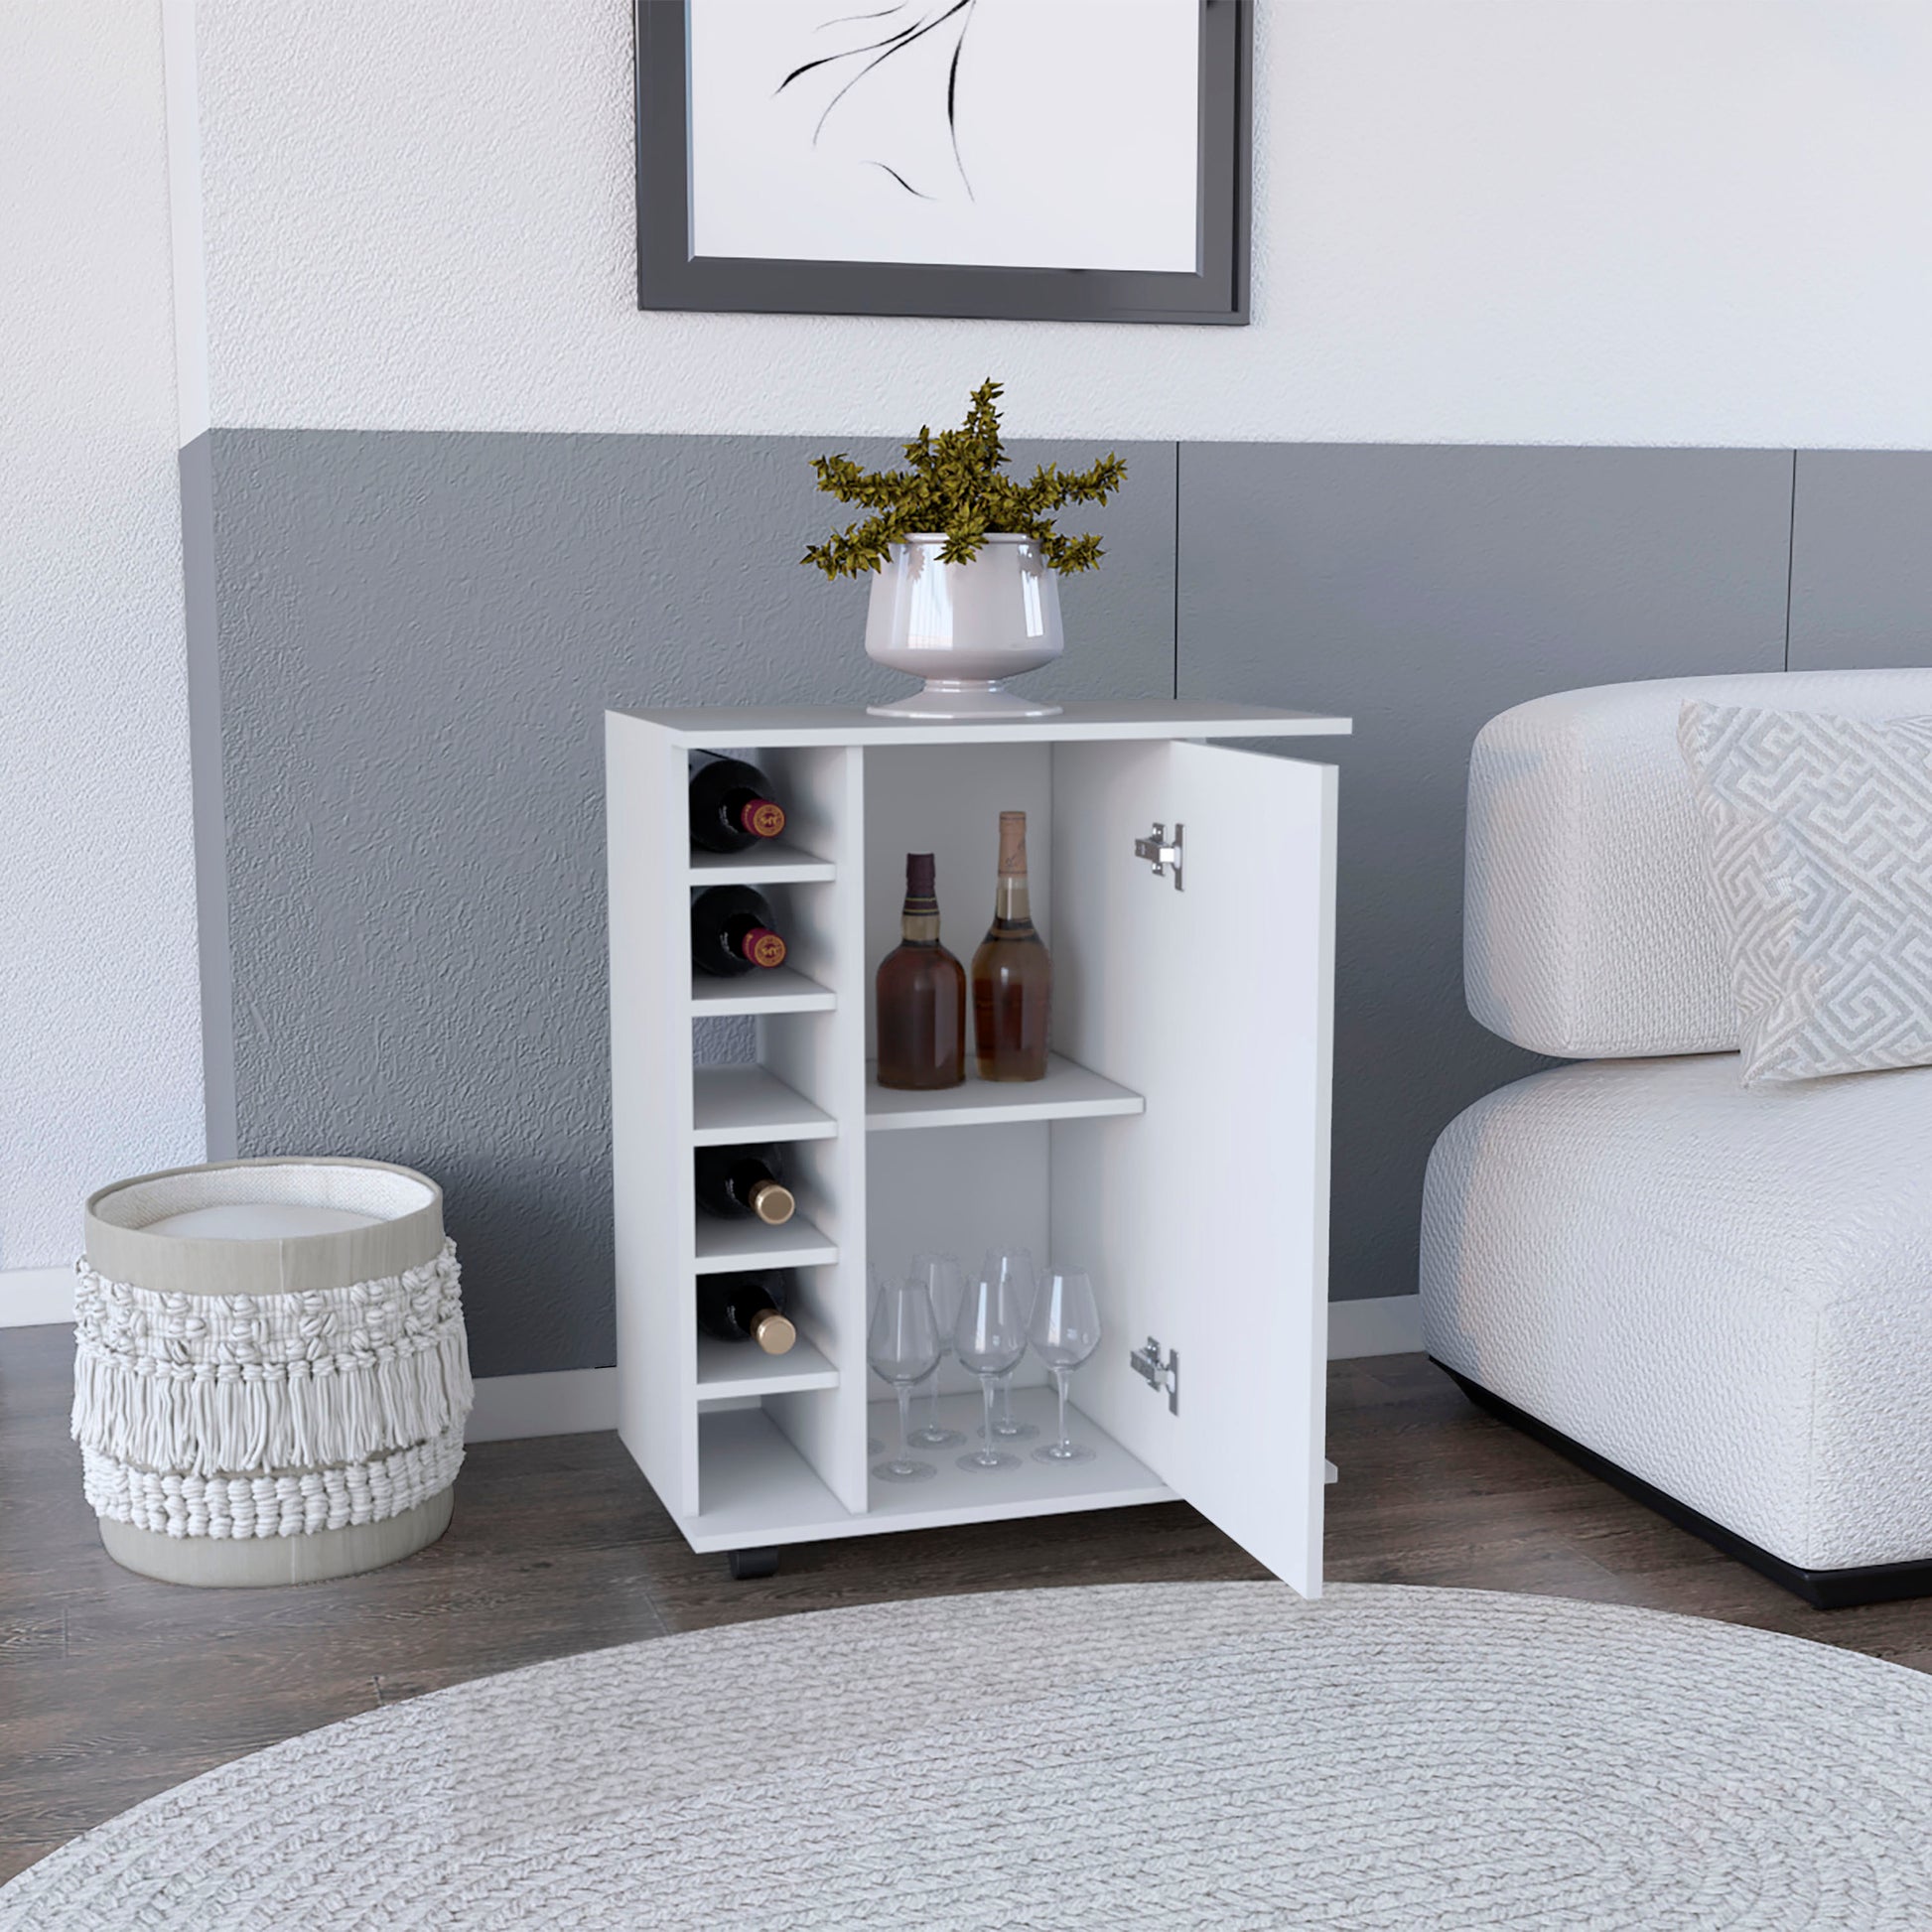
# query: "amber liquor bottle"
1013,975
920,995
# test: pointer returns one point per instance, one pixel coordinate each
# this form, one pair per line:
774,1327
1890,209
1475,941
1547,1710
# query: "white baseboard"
573,1402
29,1297
562,1402
1387,1325
570,1402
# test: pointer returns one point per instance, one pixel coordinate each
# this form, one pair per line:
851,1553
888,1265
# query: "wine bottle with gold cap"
1013,975
920,995
744,1182
747,1307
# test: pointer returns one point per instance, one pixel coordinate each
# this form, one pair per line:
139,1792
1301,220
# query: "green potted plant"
965,562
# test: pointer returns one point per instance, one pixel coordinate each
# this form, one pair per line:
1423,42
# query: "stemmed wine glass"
989,1338
945,1282
902,1345
874,1286
1015,1265
1065,1332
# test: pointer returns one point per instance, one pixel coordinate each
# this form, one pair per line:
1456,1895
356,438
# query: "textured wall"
99,1046
418,636
1476,220
1421,592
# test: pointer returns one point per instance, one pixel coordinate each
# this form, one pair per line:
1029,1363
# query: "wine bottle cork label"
774,1334
1013,842
763,818
773,1203
763,948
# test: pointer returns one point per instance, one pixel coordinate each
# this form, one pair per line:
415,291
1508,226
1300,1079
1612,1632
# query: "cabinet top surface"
780,725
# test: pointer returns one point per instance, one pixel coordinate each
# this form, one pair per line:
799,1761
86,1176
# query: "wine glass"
875,1285
945,1282
902,1345
988,1337
1065,1332
1016,1266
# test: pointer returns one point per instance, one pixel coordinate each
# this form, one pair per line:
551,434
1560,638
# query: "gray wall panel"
205,774
1421,590
1862,560
418,635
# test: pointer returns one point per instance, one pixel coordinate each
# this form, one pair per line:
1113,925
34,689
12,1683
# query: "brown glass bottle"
920,993
1012,974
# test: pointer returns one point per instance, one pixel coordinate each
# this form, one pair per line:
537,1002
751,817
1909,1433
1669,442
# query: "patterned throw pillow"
1818,843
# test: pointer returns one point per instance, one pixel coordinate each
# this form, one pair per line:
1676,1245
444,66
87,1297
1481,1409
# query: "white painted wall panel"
100,1023
1648,221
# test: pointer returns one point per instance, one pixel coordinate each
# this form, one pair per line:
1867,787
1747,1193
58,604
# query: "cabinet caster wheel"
748,1563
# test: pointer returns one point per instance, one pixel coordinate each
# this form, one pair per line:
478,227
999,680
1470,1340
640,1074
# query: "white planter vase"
965,627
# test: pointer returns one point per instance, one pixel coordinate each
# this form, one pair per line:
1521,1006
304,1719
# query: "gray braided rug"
1217,1755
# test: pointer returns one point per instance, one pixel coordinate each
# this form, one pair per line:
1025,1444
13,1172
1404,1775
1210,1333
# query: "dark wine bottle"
732,804
919,995
737,1181
1013,975
731,932
747,1307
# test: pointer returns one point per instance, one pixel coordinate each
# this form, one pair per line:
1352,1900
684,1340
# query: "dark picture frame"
670,276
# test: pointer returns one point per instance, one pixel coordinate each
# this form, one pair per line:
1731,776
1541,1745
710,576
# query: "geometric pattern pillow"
1818,846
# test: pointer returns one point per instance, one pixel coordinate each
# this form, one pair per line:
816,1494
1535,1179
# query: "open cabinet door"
1205,1219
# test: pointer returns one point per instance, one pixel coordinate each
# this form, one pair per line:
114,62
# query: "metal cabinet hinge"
1146,1362
1161,852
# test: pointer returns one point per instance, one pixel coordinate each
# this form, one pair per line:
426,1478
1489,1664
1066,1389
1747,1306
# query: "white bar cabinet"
1179,1146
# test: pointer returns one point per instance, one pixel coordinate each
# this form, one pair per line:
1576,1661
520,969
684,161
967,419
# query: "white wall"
1652,222
100,1025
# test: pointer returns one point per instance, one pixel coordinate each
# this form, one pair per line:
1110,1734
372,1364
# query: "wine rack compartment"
777,862
736,1106
729,1371
1177,1145
723,1247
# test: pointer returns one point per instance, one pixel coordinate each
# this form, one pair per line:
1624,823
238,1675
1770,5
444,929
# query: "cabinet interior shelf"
738,1368
773,861
781,990
742,1106
1068,1092
755,1488
725,1247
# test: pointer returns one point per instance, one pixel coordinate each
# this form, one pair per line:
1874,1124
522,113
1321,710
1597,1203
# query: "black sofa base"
1823,1590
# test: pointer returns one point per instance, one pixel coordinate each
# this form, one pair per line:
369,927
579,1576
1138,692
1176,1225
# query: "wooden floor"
112,1688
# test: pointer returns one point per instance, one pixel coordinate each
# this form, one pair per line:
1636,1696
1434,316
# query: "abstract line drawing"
874,55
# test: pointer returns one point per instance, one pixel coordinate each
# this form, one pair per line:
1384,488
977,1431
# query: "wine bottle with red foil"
1013,975
747,1307
732,805
733,932
744,1182
920,995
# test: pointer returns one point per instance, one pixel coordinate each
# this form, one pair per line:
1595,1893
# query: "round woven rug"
1179,1755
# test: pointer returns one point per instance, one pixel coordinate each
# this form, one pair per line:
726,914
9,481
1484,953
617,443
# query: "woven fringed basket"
270,1373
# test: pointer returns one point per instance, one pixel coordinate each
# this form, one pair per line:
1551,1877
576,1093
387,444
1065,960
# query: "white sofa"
1719,1298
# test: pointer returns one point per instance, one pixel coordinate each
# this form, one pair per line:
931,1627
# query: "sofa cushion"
1725,1291
1589,932
1817,852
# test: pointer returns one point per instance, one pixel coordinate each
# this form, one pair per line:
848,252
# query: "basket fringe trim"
270,1415
287,1504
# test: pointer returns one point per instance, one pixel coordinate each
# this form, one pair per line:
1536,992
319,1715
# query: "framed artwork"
1051,160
